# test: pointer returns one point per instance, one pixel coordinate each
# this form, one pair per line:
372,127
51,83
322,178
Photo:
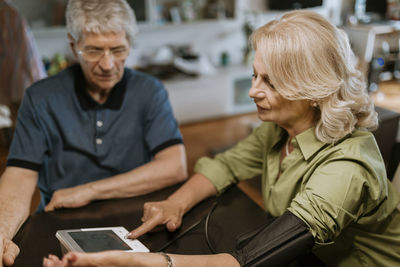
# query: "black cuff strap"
275,244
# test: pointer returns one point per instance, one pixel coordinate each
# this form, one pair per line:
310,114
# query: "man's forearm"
12,216
167,168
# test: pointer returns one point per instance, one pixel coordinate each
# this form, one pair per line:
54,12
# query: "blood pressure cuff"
274,244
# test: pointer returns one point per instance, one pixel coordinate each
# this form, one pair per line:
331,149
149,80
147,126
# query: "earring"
314,104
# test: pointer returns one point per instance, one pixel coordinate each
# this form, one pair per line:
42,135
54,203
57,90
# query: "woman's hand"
167,212
170,212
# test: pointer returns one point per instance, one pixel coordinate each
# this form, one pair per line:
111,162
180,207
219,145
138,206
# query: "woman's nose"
254,92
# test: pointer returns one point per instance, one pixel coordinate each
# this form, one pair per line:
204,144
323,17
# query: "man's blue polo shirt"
70,139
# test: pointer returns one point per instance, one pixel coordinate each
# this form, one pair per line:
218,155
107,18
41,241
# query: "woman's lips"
261,109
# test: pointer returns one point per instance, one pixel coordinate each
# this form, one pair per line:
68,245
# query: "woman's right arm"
170,211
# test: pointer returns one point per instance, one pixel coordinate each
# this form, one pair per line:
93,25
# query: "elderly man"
95,131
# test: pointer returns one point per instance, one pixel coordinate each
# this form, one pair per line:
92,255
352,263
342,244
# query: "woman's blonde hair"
100,16
308,58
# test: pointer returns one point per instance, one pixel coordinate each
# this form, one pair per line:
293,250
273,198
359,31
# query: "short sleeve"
334,197
161,128
29,145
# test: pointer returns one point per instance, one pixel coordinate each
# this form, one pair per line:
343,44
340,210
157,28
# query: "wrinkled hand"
111,258
165,212
73,197
9,252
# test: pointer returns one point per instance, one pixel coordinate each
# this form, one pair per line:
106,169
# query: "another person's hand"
73,197
165,212
9,252
111,258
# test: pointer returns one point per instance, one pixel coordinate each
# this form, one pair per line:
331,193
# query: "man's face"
102,58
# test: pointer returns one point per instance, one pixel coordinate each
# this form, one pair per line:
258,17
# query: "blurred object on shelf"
188,10
225,59
385,65
176,11
219,9
160,14
369,11
168,61
199,66
247,30
55,64
393,9
175,15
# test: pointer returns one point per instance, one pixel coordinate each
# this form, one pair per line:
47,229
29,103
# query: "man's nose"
107,61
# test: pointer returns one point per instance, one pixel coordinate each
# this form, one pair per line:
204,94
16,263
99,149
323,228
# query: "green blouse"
339,190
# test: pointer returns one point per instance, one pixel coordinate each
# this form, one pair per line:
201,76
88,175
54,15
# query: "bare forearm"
196,189
143,180
12,214
165,170
16,190
204,260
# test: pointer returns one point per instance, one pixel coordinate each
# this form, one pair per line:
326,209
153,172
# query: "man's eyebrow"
92,46
118,47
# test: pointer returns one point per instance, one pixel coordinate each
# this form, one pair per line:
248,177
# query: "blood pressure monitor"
98,239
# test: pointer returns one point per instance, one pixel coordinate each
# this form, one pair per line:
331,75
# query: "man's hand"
73,197
165,212
9,252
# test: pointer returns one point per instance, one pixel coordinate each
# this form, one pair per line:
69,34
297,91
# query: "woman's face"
297,115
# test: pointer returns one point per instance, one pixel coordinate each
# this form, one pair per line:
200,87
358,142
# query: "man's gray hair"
100,16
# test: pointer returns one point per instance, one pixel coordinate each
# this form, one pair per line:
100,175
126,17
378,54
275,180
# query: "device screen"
95,241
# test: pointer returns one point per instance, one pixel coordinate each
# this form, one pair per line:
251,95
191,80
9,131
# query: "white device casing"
68,243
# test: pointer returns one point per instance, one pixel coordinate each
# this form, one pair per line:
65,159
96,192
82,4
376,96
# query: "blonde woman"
322,172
